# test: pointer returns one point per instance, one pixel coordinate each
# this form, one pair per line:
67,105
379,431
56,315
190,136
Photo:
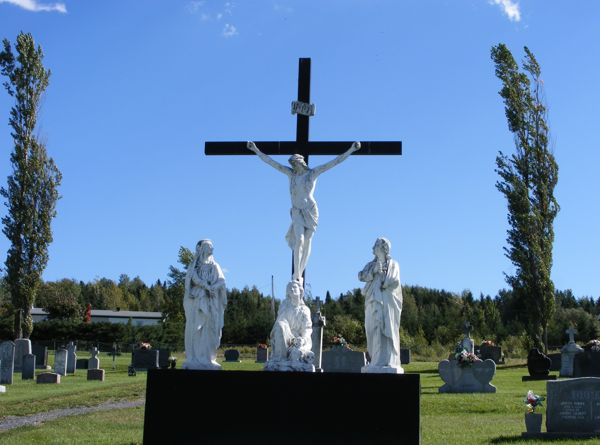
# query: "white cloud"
510,8
229,30
35,6
194,6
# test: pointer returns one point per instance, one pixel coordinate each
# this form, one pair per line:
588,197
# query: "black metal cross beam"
302,145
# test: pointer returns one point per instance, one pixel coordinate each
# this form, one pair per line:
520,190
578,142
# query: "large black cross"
302,145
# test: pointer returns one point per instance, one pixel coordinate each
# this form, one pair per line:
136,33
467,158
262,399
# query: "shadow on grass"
521,439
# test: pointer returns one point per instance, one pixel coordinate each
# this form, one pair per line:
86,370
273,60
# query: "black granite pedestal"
226,407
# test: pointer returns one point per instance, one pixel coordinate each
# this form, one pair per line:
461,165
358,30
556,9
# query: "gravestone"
22,347
143,359
404,356
72,360
491,352
7,360
538,365
343,359
568,353
41,355
2,389
573,406
28,369
163,358
262,355
61,358
94,362
95,374
82,363
587,364
232,355
48,377
472,378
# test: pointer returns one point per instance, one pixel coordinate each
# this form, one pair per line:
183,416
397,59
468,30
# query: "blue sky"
138,86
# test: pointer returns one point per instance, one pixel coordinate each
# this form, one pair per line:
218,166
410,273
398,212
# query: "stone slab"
172,398
534,378
28,369
22,347
2,389
72,360
573,405
95,374
41,355
342,359
145,359
7,362
404,356
555,357
587,364
82,363
232,355
48,377
61,358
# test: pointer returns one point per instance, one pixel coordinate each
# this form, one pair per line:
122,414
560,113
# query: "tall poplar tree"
527,180
32,188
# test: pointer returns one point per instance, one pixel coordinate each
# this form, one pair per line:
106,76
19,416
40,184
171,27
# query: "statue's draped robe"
204,313
383,306
292,322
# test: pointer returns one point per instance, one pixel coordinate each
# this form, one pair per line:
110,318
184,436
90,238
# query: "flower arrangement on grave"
172,361
145,346
488,343
532,401
592,345
262,346
339,341
465,358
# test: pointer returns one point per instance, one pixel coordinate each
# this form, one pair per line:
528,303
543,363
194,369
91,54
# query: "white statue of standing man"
304,211
383,306
204,304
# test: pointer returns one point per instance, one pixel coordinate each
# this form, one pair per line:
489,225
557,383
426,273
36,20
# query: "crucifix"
302,178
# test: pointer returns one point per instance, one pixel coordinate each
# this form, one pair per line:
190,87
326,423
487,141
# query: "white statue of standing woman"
304,212
204,304
383,306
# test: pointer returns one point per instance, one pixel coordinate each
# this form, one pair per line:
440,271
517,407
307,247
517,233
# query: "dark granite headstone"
72,360
7,362
490,352
232,355
555,358
95,374
145,359
163,358
48,377
343,359
61,358
82,363
404,356
28,368
262,355
22,348
573,406
41,355
587,364
174,395
538,364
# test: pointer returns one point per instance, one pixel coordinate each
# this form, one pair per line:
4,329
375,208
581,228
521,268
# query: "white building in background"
138,318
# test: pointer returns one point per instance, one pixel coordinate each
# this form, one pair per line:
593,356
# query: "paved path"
10,422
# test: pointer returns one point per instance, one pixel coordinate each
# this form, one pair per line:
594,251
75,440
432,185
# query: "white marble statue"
304,211
291,342
383,305
204,304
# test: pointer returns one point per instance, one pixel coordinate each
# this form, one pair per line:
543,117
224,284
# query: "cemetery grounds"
446,419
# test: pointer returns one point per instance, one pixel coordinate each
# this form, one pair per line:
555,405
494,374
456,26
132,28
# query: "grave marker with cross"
303,110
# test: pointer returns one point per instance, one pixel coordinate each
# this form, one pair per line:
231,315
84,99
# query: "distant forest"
431,319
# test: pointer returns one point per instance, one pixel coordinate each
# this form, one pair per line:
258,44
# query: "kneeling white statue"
204,304
291,334
383,305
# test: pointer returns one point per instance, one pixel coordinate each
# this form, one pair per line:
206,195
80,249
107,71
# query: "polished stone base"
233,407
372,369
531,378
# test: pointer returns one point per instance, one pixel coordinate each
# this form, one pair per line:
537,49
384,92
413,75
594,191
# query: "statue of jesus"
304,211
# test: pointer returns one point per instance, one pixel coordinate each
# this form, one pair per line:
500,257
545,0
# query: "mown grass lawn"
446,419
